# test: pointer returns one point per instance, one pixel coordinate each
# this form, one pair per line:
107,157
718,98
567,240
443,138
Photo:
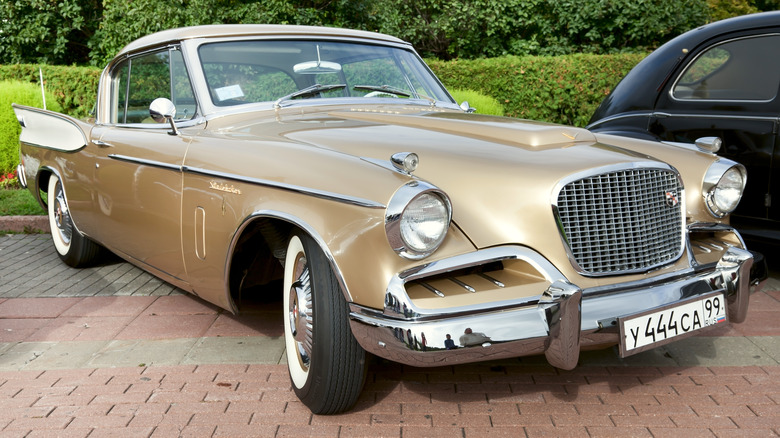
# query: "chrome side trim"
353,200
152,163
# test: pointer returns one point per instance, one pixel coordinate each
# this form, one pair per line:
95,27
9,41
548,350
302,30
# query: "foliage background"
88,32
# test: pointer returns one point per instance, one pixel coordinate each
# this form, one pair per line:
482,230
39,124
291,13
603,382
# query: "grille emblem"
671,199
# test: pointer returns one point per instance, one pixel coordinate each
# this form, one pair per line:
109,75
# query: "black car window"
746,69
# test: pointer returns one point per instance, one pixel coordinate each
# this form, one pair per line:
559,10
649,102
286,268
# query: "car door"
137,181
729,90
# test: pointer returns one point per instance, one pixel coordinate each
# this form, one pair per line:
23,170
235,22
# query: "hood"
500,173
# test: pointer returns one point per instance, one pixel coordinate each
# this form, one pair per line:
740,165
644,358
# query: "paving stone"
229,350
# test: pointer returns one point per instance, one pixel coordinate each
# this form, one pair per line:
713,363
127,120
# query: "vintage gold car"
225,159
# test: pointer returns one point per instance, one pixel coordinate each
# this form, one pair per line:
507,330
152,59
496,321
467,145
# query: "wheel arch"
42,184
268,231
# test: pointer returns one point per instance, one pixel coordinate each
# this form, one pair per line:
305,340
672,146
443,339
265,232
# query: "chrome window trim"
684,70
609,169
104,113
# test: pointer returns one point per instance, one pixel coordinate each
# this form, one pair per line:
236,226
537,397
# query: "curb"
24,224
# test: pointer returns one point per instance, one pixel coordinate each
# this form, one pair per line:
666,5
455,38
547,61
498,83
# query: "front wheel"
327,365
73,248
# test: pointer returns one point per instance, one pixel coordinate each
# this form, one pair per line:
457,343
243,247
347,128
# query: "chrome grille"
622,221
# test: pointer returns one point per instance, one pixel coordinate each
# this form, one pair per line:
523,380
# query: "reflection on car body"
230,160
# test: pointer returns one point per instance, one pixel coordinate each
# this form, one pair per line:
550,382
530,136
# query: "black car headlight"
417,219
723,186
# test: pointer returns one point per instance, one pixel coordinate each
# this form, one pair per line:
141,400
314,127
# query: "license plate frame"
640,329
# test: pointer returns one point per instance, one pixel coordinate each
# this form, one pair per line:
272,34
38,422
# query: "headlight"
724,184
417,219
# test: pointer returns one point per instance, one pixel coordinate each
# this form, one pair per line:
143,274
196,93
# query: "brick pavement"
111,351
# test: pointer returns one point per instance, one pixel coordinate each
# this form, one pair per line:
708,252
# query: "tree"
47,31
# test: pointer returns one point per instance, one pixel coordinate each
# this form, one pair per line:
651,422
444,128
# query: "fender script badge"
224,187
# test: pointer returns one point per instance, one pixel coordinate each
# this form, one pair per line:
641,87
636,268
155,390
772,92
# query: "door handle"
102,144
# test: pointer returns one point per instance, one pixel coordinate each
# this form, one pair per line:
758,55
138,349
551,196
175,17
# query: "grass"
18,202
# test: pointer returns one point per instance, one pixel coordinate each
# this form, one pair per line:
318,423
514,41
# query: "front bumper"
557,323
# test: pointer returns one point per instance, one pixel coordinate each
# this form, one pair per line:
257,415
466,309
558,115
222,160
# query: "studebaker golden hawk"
334,163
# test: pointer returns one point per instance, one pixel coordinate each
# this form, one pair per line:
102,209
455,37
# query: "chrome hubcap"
62,216
300,312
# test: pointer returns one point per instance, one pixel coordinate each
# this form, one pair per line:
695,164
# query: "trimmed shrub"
482,103
74,88
562,89
23,94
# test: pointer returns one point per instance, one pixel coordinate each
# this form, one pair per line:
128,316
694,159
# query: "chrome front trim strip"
554,324
398,304
255,181
353,200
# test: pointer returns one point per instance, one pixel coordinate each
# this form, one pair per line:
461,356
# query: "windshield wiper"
308,91
383,89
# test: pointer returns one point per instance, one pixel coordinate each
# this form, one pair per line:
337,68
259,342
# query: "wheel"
327,365
73,248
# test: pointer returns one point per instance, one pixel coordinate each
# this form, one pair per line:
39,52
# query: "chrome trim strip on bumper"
552,323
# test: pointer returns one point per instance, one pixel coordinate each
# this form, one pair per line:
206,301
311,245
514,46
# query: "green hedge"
23,93
74,88
561,89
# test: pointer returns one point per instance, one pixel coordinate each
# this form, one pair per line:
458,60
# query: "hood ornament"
406,162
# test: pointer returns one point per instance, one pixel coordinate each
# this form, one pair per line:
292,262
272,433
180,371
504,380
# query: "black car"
720,80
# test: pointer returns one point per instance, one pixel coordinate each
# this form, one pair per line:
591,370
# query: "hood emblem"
671,198
569,136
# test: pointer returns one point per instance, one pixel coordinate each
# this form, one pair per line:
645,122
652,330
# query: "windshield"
240,72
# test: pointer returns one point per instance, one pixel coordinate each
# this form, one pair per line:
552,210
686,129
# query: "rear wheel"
73,248
327,365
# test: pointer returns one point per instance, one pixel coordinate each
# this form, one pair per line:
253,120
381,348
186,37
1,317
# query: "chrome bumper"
557,323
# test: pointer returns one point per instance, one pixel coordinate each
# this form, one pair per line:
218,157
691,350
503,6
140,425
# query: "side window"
140,80
746,69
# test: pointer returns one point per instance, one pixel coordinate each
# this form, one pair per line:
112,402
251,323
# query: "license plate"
656,327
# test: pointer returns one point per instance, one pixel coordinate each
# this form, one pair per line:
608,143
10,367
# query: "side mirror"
163,110
466,107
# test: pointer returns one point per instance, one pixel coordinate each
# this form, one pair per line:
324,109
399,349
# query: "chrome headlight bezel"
723,187
395,225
